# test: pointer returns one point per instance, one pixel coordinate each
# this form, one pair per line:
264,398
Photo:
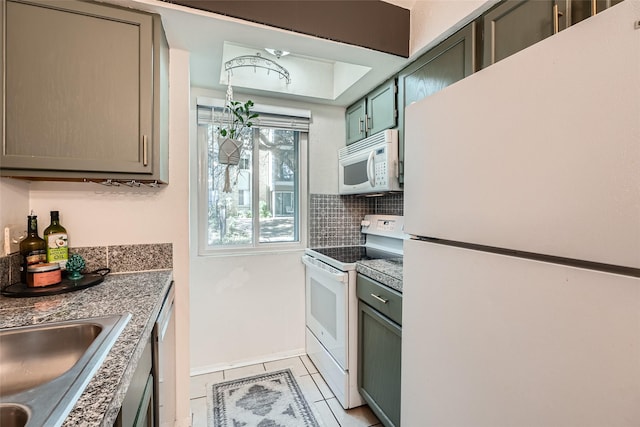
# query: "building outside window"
265,208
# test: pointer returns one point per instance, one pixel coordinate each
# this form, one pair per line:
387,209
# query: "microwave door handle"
371,171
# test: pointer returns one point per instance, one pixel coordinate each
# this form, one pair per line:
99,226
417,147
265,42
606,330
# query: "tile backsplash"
335,220
120,259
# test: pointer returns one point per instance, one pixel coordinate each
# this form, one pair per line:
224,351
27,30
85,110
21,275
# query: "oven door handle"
320,267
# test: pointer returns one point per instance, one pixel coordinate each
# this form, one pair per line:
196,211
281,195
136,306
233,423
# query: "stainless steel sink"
45,368
13,415
34,356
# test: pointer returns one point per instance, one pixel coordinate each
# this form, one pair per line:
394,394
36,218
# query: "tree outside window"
264,203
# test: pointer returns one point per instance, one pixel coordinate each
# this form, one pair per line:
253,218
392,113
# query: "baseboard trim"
246,362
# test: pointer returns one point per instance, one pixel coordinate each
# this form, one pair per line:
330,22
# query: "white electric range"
332,305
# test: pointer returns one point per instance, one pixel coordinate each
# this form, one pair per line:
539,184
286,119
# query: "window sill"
252,251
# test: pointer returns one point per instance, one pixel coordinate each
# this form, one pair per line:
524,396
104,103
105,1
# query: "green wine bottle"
57,241
33,249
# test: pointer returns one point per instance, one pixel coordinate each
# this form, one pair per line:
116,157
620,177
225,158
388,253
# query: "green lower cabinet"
379,362
137,407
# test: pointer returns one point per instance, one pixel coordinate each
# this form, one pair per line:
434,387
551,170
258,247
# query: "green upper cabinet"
372,114
356,116
381,108
570,12
450,61
445,64
515,25
83,93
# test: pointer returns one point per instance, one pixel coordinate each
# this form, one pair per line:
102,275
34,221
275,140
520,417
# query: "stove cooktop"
351,254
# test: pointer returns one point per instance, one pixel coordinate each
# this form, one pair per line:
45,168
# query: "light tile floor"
326,407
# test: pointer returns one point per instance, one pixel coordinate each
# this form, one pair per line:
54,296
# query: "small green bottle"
57,241
33,249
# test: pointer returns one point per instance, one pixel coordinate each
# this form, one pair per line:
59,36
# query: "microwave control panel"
380,162
381,173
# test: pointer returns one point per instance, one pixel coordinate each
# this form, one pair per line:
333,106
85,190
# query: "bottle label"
57,249
35,257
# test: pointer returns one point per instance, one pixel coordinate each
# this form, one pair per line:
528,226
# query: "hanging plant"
237,117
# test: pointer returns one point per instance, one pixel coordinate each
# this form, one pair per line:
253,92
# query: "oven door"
327,291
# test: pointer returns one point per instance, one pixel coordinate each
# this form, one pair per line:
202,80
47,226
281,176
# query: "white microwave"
370,165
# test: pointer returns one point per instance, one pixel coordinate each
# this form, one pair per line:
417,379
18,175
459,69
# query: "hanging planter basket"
236,118
229,151
229,154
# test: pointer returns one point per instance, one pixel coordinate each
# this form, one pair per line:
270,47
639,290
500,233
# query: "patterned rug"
267,400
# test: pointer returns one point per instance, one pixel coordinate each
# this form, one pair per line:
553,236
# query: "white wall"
245,309
14,205
250,308
433,20
98,216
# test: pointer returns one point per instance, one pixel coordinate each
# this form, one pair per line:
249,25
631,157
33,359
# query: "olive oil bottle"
33,249
57,241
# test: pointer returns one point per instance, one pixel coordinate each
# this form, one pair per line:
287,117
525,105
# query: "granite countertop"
139,294
386,271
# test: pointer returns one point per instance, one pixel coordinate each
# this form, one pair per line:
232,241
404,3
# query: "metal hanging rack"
257,61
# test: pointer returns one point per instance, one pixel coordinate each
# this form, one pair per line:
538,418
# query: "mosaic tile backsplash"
120,259
335,220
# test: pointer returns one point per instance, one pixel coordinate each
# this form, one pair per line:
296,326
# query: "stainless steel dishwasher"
164,362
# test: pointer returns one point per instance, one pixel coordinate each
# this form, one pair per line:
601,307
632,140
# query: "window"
265,205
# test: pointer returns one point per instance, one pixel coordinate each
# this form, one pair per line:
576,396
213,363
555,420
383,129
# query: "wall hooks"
257,61
128,182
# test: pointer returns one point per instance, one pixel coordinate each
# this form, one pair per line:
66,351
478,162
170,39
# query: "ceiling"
322,71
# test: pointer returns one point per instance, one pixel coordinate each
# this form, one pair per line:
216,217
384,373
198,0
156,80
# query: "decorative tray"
21,290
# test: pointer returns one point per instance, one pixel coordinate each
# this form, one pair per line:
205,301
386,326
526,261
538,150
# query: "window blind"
210,112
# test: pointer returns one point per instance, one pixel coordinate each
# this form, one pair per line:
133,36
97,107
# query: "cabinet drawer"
380,297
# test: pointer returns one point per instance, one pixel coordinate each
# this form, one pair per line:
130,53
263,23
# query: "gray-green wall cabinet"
374,113
85,96
356,117
515,25
445,64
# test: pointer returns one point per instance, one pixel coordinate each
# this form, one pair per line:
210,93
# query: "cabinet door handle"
556,23
379,298
368,122
360,123
145,150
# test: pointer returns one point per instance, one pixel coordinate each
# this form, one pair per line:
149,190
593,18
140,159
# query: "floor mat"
267,400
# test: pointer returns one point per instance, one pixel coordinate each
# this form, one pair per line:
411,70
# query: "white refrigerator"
521,302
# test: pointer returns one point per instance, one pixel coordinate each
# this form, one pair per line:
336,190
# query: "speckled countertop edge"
137,293
386,271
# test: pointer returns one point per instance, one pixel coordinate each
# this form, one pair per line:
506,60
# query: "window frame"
255,247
